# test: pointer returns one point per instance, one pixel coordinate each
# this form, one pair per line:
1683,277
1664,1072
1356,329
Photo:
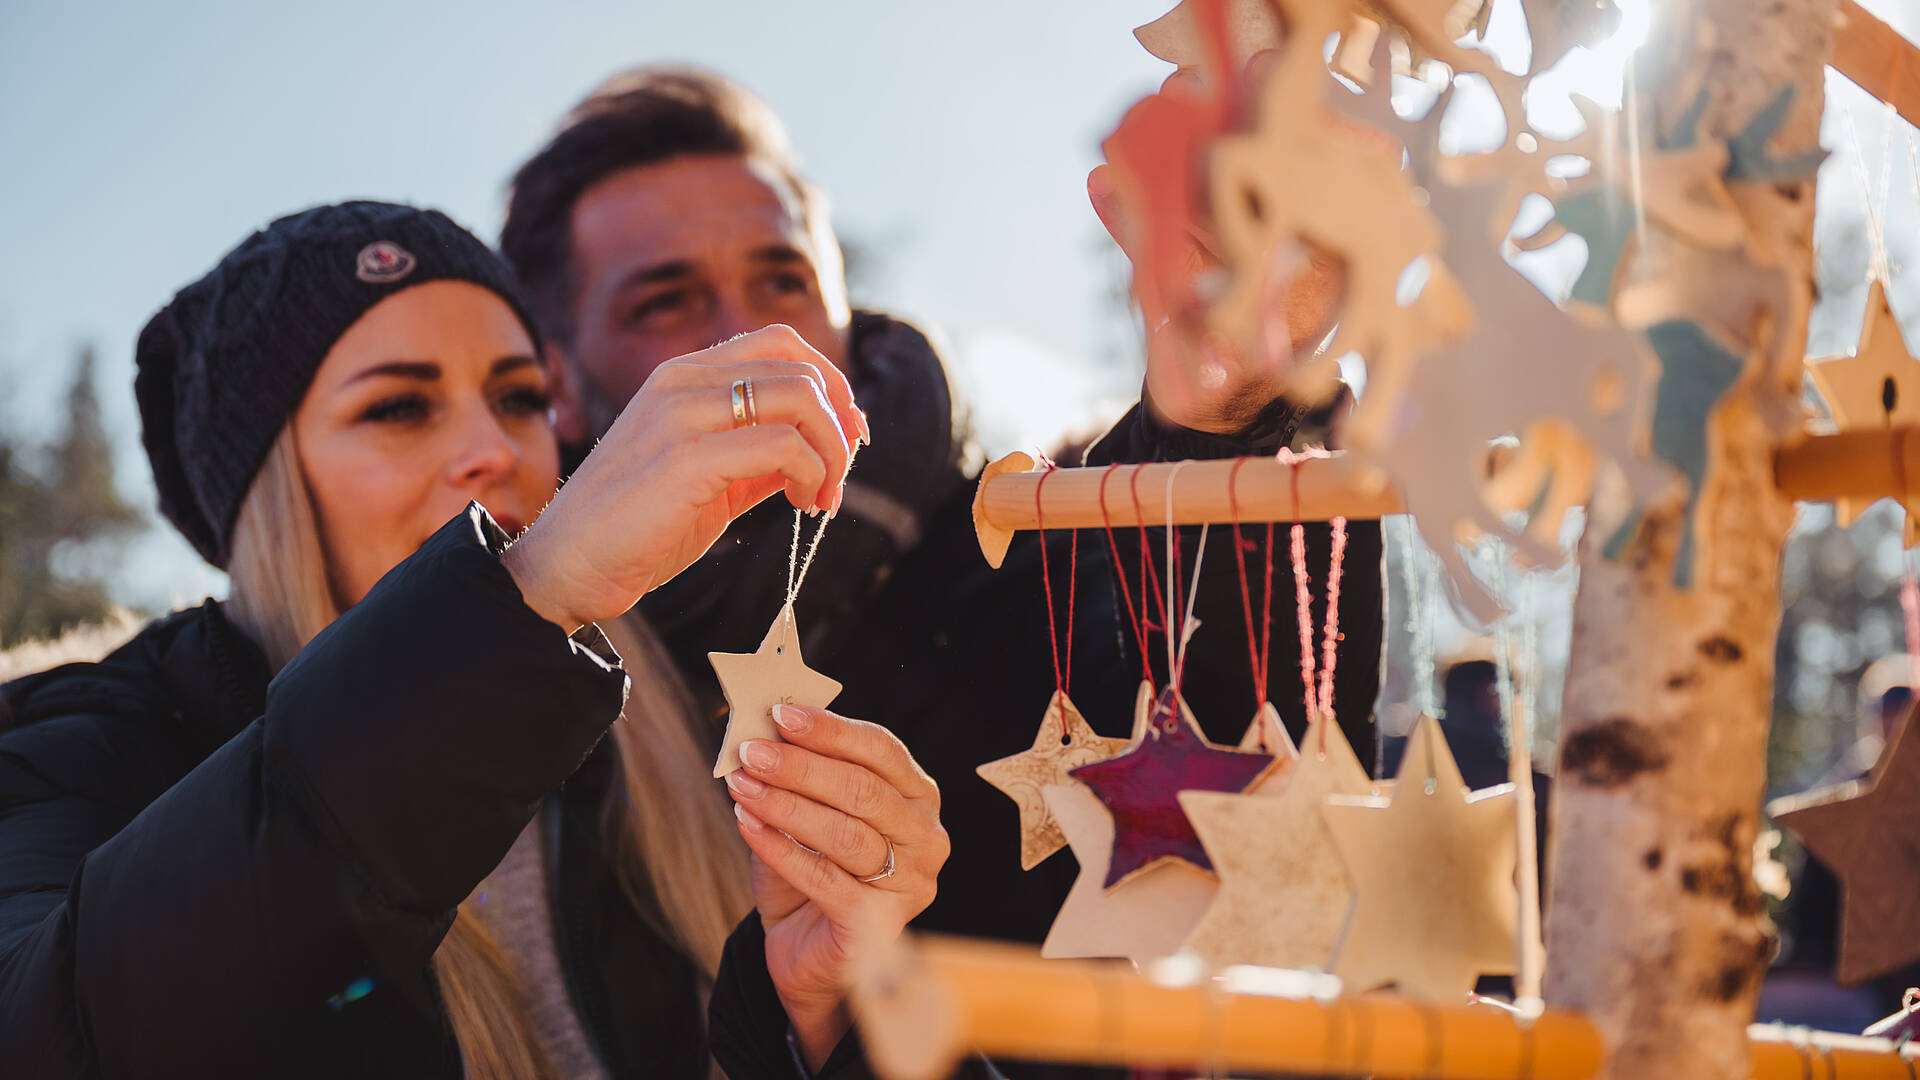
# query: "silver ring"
741,393
884,872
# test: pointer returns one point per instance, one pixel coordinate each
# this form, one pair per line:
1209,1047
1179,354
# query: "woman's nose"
483,452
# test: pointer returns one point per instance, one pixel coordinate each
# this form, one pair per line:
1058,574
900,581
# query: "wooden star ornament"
1877,387
1433,869
757,681
1064,743
1141,787
1868,833
1143,918
1285,895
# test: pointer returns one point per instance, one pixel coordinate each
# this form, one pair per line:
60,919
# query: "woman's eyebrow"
425,370
510,363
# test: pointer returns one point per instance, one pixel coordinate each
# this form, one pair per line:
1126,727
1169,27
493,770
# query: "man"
668,214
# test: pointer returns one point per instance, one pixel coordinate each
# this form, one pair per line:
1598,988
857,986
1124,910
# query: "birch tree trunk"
1654,926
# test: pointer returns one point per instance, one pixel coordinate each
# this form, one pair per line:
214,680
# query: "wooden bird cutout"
1285,895
1433,869
757,681
1141,787
1877,387
1868,833
1143,918
1064,743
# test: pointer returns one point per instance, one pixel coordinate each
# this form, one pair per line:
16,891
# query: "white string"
796,566
1527,966
1876,236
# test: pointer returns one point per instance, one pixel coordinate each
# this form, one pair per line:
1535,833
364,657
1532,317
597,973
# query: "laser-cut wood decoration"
1868,833
1141,787
1143,918
1064,743
1285,893
757,681
1433,871
1877,387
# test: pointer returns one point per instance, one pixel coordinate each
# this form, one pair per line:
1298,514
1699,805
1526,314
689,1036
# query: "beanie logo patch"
383,262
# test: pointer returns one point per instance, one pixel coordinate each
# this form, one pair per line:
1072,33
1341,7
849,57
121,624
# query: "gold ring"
753,413
742,409
884,872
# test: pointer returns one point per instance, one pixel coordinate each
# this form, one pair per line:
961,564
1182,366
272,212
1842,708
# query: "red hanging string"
1046,579
1146,556
1256,648
1137,622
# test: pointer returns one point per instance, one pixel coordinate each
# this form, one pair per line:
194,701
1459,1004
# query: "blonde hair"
671,828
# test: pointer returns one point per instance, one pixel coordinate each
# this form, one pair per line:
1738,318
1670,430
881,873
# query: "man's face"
671,258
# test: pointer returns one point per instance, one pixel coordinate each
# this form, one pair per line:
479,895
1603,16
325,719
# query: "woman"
320,828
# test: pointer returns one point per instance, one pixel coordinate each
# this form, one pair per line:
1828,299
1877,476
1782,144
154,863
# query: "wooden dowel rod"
1854,465
933,1000
1878,60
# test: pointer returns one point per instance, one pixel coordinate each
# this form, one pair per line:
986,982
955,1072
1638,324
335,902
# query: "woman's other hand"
828,813
676,468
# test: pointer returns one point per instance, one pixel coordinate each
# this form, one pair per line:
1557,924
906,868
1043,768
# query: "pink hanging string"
1319,699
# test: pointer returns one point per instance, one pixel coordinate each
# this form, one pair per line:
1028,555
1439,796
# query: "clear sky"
141,140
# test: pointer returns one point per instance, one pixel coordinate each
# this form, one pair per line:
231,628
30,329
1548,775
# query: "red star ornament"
1141,787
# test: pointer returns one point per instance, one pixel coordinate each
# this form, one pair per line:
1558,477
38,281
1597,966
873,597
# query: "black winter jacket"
206,874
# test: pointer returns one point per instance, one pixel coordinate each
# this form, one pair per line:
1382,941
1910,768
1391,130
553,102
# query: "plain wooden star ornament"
1143,918
1141,787
1433,871
1064,743
1285,895
1868,833
1877,387
755,682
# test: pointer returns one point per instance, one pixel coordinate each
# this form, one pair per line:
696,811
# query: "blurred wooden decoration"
1433,869
1556,26
1143,918
1285,894
1141,786
927,1002
1878,387
1064,743
757,681
1252,26
1268,735
1868,833
1878,59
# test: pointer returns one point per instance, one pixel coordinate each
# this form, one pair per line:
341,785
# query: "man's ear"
569,398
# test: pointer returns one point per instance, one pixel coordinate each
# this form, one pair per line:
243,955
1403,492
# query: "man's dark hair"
643,116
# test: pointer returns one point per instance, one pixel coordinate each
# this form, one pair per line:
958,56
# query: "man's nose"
733,316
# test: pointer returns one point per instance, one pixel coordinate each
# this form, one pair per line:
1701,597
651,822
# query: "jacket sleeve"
315,857
748,1027
1217,681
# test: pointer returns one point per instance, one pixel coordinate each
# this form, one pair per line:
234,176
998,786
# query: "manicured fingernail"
747,821
839,496
747,787
797,721
866,426
759,756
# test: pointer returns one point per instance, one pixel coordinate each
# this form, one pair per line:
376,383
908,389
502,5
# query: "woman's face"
432,399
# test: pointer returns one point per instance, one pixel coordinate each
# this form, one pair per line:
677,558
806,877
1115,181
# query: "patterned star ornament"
1285,895
1868,833
755,682
1064,743
1433,869
1877,387
1141,787
1143,918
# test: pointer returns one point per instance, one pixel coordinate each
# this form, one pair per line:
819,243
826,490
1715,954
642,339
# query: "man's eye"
399,409
789,284
658,304
527,401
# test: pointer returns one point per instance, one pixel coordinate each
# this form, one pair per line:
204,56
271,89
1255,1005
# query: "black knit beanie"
223,366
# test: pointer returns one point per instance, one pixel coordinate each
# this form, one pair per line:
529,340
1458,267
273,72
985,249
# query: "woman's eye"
400,409
527,401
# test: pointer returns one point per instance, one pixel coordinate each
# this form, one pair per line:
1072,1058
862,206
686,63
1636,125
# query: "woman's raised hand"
677,467
847,845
